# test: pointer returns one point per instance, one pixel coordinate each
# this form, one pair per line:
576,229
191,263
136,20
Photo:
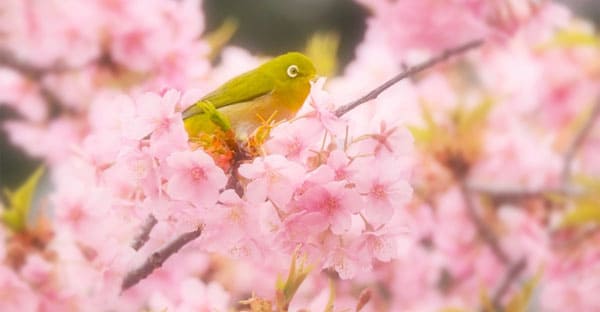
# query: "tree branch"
514,270
158,258
577,141
511,275
30,71
34,74
144,234
514,193
408,72
488,236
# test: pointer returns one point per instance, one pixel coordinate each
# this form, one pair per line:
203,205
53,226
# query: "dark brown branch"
29,71
488,236
513,193
577,141
513,272
144,234
32,72
158,258
408,72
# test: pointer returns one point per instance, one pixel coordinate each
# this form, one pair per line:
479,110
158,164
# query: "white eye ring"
292,71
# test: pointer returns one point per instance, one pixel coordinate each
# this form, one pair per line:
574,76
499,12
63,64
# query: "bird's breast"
278,105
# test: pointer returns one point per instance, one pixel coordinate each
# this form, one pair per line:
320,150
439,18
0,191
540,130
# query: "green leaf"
471,119
221,36
322,49
19,202
586,212
421,135
591,184
574,38
425,135
520,301
486,302
298,272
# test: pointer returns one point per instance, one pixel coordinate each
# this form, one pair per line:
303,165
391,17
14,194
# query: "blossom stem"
156,260
409,71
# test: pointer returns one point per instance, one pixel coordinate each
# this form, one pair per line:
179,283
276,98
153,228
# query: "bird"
273,91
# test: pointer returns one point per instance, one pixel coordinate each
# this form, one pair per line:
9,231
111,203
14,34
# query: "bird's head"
292,66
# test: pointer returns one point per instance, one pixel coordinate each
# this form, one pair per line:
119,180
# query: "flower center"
378,191
331,205
198,173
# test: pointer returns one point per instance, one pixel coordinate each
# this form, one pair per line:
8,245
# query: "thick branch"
488,236
577,141
158,258
408,72
145,230
511,275
32,72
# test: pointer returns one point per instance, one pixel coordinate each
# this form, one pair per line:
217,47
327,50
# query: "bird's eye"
292,71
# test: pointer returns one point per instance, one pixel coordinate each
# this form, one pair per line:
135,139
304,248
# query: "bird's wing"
243,88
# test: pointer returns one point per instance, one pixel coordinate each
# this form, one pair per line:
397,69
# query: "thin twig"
515,193
513,272
144,234
158,258
408,72
488,236
34,74
577,141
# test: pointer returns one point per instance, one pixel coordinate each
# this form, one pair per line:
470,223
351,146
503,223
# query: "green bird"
273,91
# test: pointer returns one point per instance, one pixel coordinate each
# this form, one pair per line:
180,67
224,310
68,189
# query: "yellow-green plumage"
278,87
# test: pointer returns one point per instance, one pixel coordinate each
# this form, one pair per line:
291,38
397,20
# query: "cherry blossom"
456,188
194,178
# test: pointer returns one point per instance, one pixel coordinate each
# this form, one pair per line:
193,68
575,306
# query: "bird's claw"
215,116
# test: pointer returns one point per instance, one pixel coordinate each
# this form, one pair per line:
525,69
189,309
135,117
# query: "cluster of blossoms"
500,151
331,193
499,196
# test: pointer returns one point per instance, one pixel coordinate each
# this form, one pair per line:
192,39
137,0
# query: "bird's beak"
316,78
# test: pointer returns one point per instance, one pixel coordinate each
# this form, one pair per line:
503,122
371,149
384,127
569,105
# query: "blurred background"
267,27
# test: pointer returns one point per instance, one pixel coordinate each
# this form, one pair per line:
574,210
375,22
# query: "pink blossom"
341,165
334,202
195,178
385,189
36,270
40,141
241,219
272,177
518,145
322,108
16,295
193,296
345,261
22,95
295,140
383,141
